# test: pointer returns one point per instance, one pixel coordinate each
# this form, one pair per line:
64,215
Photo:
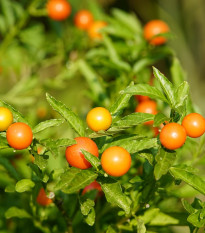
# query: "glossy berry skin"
58,9
194,125
83,19
99,119
172,136
141,98
116,161
92,186
6,118
94,30
148,106
152,29
42,199
75,157
19,135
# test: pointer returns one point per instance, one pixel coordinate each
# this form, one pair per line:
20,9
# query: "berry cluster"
19,135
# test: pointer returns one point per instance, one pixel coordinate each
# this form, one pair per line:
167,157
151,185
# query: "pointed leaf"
135,145
114,194
75,122
121,103
188,177
95,162
54,145
75,179
188,207
197,218
133,119
147,90
47,124
164,161
16,115
128,20
166,85
181,94
114,57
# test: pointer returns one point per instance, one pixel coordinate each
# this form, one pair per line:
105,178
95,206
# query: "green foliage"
44,56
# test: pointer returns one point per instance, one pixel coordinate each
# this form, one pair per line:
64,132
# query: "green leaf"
90,218
140,226
75,122
3,143
188,177
41,161
148,156
93,81
166,85
147,90
128,20
197,218
18,117
159,119
162,219
164,161
10,188
111,229
75,179
24,185
149,215
16,212
181,94
178,75
54,145
114,194
188,207
113,55
95,162
121,103
86,205
134,145
6,8
47,124
133,119
11,170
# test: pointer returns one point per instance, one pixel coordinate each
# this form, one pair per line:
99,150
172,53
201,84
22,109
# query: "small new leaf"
24,185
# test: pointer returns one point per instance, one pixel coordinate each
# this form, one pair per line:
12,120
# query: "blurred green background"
186,19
